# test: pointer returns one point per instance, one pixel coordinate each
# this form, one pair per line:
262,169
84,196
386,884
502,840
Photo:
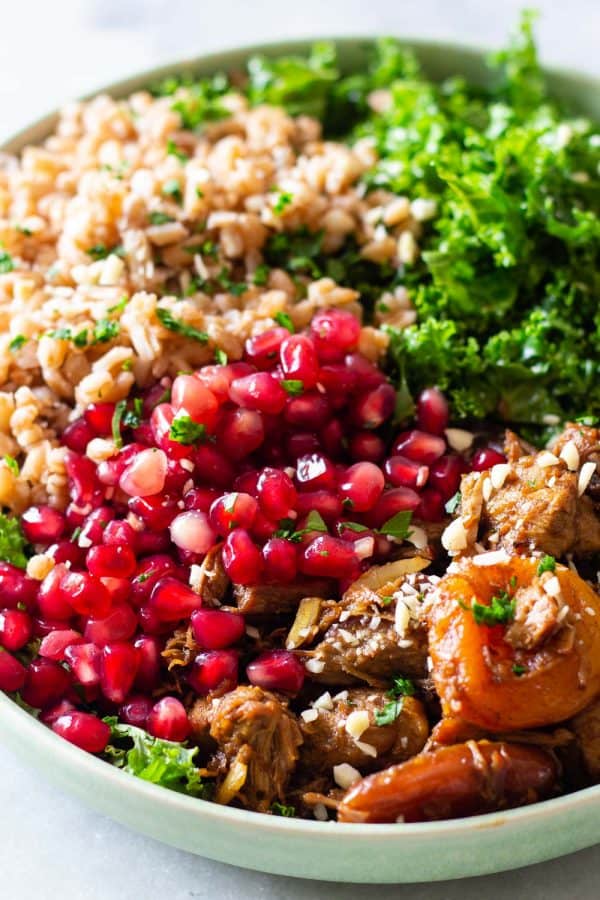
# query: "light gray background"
50,846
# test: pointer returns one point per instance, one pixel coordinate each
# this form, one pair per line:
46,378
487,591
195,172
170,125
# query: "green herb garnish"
6,262
12,542
283,319
261,275
173,150
11,463
159,218
398,526
284,199
500,611
518,670
166,318
280,809
117,417
293,386
172,188
105,330
546,564
185,431
453,503
17,342
220,356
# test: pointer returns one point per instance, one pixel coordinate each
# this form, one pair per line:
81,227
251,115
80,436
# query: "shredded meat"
257,726
213,580
277,599
538,616
586,439
587,732
515,447
536,508
327,743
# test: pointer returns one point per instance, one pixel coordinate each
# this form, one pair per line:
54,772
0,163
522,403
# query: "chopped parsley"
284,320
172,188
105,330
173,150
120,306
351,526
401,687
6,262
282,202
518,670
12,542
293,386
453,503
398,526
220,356
166,318
159,218
546,564
11,463
261,275
500,611
101,251
280,809
118,414
185,431
133,417
17,342
314,522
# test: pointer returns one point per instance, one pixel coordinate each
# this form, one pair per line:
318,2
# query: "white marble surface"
50,846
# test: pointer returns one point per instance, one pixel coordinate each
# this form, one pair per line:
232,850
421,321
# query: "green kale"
301,85
166,763
13,545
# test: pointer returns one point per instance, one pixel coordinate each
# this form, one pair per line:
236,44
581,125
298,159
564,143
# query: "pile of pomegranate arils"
297,433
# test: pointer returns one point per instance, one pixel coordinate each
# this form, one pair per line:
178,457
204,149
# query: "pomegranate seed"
156,395
118,588
314,471
168,720
92,530
149,571
145,475
310,411
51,600
364,445
178,476
119,533
136,710
16,629
302,443
171,600
432,411
52,713
299,360
219,378
189,395
83,483
276,494
118,666
259,391
263,349
215,629
42,627
148,674
367,375
86,594
390,503
233,510
200,498
212,467
419,446
119,625
161,421
16,588
333,438
335,333
242,558
486,458
431,507
66,551
110,470
84,730
55,643
277,670
362,486
240,433
77,435
46,682
214,670
42,524
404,472
99,416
12,673
152,542
157,511
327,555
339,382
84,660
111,561
328,505
445,474
263,528
374,406
279,557
192,531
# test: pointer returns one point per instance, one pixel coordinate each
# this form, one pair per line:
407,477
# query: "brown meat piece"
585,438
587,732
538,616
213,580
537,508
257,727
363,643
271,599
327,743
515,447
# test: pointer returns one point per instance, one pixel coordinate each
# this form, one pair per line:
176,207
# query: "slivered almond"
498,475
570,454
585,476
546,459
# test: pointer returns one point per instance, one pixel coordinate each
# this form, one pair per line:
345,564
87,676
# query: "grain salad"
299,486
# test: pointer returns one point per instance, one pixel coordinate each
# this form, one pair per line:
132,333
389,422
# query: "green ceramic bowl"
374,853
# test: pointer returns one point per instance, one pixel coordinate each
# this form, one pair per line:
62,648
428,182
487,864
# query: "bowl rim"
45,740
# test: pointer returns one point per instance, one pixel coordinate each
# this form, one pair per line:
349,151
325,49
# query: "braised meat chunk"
393,731
272,600
257,740
533,503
